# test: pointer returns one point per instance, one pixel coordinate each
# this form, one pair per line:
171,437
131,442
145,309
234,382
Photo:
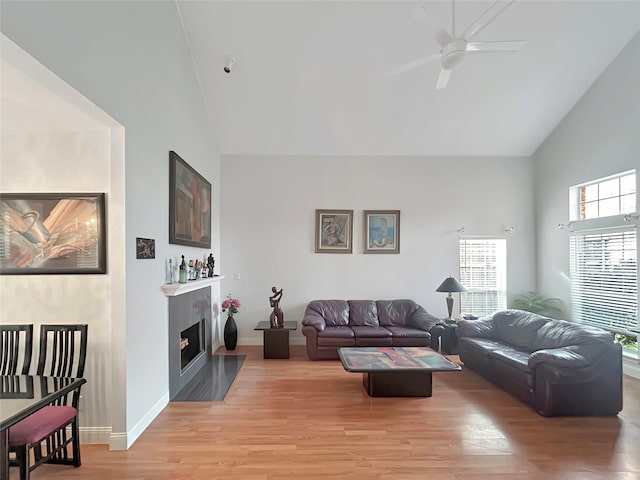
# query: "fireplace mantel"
175,289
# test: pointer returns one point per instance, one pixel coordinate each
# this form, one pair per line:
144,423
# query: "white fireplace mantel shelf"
175,289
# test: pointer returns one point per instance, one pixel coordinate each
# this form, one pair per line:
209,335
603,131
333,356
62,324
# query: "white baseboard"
95,435
122,441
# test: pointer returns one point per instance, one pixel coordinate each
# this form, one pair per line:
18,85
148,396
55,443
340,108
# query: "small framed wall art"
334,231
145,248
189,205
382,231
52,233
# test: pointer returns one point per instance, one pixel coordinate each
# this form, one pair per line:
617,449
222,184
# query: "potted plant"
537,303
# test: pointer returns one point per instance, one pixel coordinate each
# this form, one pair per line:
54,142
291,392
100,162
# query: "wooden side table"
450,339
276,340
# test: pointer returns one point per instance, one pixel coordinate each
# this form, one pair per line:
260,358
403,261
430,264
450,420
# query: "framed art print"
52,233
333,231
189,205
382,231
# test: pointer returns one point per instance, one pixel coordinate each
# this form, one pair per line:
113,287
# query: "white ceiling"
310,76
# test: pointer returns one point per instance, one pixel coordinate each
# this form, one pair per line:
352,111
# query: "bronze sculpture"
276,319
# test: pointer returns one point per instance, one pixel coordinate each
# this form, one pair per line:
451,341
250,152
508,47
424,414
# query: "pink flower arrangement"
231,304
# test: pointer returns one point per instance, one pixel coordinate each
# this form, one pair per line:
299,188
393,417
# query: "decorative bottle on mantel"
169,275
183,271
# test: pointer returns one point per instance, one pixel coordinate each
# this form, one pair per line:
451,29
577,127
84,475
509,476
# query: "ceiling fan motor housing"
453,54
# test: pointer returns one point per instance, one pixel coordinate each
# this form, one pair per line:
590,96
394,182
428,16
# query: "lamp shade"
450,284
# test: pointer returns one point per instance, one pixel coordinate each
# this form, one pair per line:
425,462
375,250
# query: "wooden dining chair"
63,351
16,342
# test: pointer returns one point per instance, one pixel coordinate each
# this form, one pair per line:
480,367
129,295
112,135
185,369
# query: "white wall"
600,136
40,162
268,214
131,60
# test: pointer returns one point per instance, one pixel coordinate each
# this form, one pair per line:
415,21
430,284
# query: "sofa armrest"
423,320
563,357
314,319
484,328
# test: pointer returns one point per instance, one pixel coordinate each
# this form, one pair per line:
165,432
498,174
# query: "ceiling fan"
454,49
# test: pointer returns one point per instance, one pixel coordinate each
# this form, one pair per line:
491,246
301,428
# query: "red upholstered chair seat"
40,424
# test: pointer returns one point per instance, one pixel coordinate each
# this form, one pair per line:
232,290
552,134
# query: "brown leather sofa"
557,367
331,324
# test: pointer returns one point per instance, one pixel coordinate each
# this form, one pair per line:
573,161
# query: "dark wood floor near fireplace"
295,419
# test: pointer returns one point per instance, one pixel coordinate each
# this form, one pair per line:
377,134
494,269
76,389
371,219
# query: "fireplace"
189,336
191,344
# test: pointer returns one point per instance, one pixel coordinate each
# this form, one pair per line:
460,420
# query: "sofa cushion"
334,312
512,357
336,336
405,332
479,347
363,312
395,312
561,333
370,332
518,328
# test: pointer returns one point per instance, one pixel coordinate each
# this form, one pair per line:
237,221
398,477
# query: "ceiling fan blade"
489,15
440,35
415,64
443,78
506,46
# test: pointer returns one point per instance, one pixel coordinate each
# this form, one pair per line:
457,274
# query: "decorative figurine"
276,318
210,264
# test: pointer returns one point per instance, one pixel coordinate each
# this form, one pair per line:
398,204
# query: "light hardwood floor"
297,419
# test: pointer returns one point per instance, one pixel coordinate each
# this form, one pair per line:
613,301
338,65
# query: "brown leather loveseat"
331,324
557,367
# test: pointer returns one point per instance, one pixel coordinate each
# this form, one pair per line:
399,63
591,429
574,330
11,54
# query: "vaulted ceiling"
310,77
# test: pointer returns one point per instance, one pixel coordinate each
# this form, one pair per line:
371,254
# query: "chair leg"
22,458
75,431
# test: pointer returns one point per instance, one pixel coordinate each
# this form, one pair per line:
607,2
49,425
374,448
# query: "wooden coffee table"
396,371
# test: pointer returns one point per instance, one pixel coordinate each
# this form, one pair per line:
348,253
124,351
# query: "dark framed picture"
382,231
189,205
52,233
333,231
145,248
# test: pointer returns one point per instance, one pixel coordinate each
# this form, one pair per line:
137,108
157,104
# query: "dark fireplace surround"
189,336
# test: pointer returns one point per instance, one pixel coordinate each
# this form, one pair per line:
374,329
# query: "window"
604,279
603,256
606,197
483,271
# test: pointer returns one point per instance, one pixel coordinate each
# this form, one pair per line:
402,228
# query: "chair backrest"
63,350
16,342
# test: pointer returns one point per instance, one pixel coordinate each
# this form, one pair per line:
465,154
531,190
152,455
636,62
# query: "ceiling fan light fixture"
453,54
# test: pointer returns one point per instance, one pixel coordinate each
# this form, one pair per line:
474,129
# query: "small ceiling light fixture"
229,62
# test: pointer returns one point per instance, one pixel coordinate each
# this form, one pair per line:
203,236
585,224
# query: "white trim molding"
122,441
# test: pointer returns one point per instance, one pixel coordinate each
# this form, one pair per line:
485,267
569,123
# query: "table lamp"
450,285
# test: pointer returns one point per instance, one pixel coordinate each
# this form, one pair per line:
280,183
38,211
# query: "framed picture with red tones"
52,233
189,205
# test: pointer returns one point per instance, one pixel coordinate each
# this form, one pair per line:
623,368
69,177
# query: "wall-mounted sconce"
564,225
460,230
510,230
629,218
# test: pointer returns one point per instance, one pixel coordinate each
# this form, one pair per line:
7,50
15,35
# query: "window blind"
604,279
483,272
